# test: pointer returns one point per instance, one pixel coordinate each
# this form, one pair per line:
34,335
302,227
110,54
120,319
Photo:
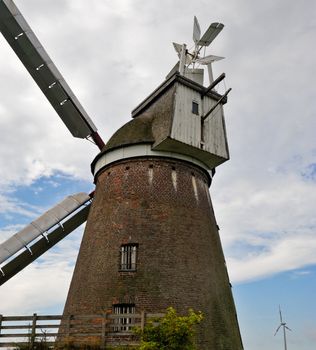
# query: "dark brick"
180,262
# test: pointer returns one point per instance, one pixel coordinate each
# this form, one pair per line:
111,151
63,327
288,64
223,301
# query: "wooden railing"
30,330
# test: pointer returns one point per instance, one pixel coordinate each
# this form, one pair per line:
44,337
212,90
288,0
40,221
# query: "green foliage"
171,332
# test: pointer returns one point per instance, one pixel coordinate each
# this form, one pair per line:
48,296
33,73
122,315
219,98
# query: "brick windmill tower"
151,240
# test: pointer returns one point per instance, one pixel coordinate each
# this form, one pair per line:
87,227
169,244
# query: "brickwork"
164,206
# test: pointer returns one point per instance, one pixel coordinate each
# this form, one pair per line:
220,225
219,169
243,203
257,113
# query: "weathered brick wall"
165,207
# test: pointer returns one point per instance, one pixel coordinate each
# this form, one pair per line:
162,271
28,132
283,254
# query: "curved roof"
138,130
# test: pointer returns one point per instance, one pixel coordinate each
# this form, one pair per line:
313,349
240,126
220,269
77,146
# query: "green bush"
171,332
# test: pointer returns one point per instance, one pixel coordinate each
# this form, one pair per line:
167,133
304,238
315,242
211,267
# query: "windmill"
284,326
151,240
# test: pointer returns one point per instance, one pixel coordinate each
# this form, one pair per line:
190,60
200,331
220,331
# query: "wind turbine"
283,324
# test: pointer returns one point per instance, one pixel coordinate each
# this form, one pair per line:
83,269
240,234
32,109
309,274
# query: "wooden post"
104,322
142,320
68,326
33,333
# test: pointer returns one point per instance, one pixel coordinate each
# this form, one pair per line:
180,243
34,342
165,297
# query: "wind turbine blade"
211,33
196,30
209,59
288,328
280,313
277,329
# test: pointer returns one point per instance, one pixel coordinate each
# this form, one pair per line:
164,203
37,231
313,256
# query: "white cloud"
10,206
38,287
283,255
267,226
44,284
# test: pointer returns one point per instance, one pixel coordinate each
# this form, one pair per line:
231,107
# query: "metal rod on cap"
217,103
214,83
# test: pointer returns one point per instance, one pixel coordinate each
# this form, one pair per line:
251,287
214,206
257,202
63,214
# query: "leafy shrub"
171,332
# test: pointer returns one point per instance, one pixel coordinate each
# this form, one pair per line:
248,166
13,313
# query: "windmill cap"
136,131
152,125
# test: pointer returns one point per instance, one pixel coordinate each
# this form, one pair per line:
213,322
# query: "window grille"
128,257
123,324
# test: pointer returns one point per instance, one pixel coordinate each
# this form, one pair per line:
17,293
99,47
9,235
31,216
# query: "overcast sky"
113,54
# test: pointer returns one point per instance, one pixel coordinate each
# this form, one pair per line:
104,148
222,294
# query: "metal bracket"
29,249
45,237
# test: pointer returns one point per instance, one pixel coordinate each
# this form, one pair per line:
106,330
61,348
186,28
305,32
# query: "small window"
128,257
122,323
195,108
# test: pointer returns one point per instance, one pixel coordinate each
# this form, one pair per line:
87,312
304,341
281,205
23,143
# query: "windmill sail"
35,249
41,225
209,59
211,33
196,30
23,41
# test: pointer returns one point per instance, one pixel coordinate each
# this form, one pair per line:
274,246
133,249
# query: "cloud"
43,285
301,273
284,255
267,226
29,291
10,206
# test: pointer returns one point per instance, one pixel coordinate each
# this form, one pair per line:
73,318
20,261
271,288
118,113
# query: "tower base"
162,207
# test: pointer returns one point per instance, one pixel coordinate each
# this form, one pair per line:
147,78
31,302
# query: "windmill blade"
178,48
277,329
25,44
209,59
188,56
196,30
42,224
35,250
288,328
211,33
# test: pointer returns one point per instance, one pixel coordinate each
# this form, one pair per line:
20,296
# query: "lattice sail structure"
27,47
42,224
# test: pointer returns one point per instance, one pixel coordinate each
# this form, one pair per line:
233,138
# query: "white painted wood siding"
186,126
214,129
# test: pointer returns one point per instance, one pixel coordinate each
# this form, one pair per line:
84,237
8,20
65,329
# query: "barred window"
123,324
128,257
